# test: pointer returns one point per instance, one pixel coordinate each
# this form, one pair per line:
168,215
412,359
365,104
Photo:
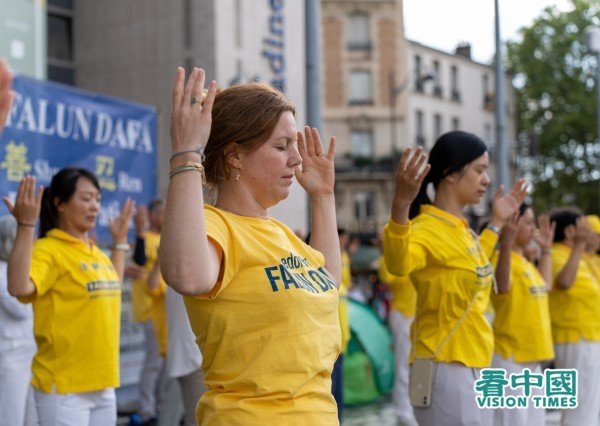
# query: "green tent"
369,360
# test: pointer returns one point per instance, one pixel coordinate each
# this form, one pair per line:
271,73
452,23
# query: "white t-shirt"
16,319
183,355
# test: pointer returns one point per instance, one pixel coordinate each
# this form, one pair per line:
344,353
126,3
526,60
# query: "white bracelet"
493,228
122,246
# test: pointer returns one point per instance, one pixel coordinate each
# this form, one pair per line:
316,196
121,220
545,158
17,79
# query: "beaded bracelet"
546,252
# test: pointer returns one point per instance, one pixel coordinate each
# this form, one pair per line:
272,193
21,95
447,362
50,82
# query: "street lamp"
396,91
592,42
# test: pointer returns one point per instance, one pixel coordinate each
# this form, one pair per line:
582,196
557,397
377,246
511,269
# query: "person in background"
575,313
402,312
450,268
75,290
17,345
262,304
522,331
592,249
149,310
337,376
184,360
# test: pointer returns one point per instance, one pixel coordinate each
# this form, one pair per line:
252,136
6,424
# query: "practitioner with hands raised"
450,269
75,290
522,330
261,302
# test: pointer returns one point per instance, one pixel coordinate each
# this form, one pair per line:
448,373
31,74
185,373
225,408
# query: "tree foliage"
554,77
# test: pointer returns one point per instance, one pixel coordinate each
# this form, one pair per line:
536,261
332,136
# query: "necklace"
265,217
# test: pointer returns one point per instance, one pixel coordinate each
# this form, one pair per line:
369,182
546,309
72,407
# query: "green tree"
554,77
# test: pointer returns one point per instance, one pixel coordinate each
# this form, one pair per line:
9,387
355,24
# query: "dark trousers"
337,384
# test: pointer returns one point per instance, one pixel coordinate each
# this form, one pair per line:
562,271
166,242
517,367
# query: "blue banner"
52,126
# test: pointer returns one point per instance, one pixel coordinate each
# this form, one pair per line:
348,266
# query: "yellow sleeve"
488,240
45,269
401,255
560,258
219,233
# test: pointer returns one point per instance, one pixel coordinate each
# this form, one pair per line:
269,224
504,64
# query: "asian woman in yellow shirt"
75,290
450,269
575,312
262,304
522,332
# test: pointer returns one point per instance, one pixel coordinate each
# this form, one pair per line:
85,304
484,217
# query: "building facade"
383,93
131,49
365,77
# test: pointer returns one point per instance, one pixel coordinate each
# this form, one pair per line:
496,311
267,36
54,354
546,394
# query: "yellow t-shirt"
269,331
575,313
522,323
404,295
449,268
158,309
593,262
343,308
77,313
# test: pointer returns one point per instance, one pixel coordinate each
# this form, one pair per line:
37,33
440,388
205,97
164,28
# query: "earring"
237,177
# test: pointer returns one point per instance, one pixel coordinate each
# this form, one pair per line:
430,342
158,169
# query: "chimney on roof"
463,49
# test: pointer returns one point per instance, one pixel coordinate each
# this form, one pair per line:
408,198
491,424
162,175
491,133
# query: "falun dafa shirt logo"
557,388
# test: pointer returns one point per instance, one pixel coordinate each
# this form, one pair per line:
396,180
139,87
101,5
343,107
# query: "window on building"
487,134
485,79
455,123
419,127
364,205
437,126
361,143
360,89
60,37
437,88
66,4
60,49
418,74
65,75
454,83
359,34
488,93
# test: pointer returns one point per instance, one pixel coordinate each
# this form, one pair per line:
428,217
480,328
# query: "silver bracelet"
199,151
493,228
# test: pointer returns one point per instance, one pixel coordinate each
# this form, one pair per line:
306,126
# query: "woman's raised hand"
317,175
119,226
544,235
508,234
504,206
410,173
191,117
26,208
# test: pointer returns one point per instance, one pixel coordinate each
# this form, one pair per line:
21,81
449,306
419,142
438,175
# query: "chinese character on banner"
526,381
492,382
15,162
561,382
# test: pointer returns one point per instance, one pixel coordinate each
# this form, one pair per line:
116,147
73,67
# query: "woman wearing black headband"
450,269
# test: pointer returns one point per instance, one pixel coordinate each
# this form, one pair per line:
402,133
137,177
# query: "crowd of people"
249,319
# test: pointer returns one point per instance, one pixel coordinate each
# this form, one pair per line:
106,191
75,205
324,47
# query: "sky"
443,24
